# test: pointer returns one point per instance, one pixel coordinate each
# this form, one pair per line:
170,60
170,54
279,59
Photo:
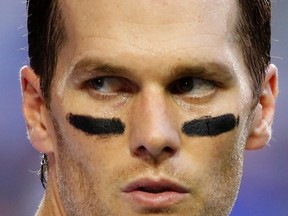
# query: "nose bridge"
153,131
154,107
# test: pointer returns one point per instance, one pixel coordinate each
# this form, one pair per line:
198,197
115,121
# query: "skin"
147,40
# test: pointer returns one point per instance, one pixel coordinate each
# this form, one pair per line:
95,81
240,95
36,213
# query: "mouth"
151,194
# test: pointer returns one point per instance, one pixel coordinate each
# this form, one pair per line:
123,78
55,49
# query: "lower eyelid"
189,100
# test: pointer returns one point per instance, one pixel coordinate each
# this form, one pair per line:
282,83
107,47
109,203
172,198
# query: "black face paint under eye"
210,126
96,126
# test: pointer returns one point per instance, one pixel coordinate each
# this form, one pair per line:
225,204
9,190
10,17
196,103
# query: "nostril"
141,150
154,152
168,150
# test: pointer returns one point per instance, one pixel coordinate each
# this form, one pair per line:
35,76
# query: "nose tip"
153,133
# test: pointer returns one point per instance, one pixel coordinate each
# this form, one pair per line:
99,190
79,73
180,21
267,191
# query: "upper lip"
155,186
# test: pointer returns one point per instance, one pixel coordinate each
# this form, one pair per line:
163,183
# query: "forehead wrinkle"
149,7
74,20
179,12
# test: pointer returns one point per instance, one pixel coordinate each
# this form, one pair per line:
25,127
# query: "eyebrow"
210,71
89,65
207,70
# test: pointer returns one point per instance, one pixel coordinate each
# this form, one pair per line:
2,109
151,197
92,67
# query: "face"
150,104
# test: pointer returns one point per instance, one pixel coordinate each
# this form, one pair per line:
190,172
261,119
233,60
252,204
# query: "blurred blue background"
264,189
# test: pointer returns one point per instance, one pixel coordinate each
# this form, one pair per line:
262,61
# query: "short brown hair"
46,36
254,34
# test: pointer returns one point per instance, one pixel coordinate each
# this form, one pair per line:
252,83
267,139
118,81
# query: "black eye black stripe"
206,126
210,126
96,126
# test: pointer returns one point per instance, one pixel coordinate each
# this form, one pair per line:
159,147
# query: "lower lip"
155,200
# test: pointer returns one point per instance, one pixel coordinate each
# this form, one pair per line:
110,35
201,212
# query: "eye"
195,87
110,85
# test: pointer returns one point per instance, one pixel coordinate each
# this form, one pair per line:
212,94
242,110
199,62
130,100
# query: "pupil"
186,84
98,83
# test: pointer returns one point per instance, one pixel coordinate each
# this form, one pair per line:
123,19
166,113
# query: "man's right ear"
35,112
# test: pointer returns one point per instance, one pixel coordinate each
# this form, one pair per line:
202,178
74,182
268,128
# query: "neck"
49,206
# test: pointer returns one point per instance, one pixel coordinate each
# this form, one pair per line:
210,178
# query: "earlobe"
35,111
260,132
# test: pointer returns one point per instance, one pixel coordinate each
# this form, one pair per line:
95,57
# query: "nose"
153,133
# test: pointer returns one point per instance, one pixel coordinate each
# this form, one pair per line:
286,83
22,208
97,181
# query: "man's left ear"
260,132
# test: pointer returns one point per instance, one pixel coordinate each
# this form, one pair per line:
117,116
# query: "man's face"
165,77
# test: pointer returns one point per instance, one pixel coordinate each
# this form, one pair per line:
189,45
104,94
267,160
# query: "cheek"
226,169
94,142
94,153
213,157
214,142
83,162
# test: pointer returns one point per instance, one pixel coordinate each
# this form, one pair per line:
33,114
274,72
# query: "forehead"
164,11
147,20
